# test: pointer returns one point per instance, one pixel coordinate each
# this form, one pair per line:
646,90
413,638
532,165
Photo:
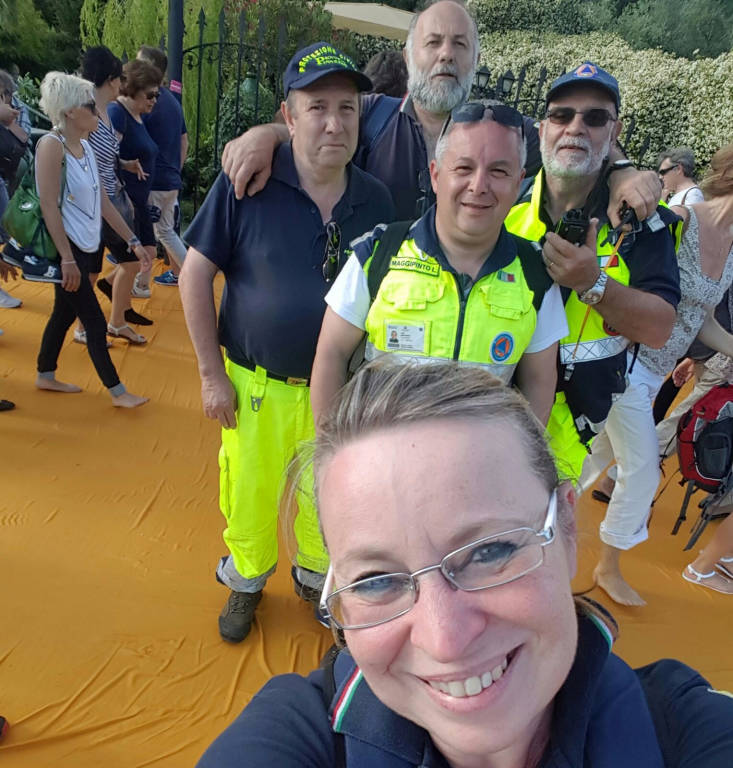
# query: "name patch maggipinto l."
409,264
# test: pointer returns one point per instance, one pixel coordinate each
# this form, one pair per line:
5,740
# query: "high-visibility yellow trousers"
568,450
274,420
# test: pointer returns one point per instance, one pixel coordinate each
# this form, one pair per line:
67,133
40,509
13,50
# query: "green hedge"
674,100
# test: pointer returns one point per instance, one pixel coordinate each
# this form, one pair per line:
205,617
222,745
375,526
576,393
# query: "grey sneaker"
235,620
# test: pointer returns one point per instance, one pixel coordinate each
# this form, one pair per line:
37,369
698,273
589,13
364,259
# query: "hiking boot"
40,270
303,591
235,620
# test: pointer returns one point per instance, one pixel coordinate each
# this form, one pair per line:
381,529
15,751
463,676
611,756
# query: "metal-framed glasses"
593,118
475,111
665,171
487,562
332,253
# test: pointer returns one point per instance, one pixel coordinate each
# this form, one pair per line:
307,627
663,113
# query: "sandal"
125,332
80,337
713,580
725,566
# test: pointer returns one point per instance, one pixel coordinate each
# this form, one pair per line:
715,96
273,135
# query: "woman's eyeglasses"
333,250
91,106
665,171
593,118
488,562
151,95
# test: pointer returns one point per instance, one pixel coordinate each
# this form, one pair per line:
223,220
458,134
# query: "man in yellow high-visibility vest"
617,292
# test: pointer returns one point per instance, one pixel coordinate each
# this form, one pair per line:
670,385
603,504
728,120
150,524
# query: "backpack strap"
328,664
687,192
387,247
377,121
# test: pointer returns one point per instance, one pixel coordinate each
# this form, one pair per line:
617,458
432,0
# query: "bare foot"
53,385
128,400
614,585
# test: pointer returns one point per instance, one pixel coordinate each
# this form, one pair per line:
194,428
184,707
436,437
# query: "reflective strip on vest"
597,349
503,372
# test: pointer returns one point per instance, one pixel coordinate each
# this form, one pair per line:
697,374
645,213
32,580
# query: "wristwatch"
595,293
133,241
618,165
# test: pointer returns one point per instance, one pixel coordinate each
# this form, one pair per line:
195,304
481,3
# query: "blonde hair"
386,393
718,181
61,92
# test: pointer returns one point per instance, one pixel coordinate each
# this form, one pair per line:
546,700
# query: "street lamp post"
481,81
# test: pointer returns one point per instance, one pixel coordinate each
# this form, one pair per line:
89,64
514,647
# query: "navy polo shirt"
400,157
270,248
166,125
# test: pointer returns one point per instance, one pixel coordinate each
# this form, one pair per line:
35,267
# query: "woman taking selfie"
452,550
73,203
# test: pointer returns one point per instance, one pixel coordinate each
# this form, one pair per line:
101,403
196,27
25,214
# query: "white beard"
439,96
571,166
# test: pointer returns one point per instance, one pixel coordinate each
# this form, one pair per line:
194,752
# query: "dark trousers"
67,307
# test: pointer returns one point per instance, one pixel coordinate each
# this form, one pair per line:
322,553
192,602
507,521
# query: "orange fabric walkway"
109,535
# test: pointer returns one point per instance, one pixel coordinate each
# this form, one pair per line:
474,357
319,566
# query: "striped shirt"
106,150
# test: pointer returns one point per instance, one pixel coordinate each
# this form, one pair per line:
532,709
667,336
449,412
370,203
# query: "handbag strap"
30,174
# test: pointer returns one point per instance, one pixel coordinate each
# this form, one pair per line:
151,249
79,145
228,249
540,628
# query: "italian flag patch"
609,261
506,277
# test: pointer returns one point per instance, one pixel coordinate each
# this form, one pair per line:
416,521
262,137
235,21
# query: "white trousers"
630,439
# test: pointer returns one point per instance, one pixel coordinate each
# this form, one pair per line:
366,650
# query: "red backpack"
705,439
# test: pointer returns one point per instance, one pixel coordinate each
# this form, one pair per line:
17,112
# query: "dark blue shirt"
166,125
394,151
135,144
271,248
606,715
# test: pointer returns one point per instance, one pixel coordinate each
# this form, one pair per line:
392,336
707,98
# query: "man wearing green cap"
278,252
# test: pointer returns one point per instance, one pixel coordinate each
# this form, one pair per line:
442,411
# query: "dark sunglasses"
150,95
665,171
91,106
333,250
593,118
475,111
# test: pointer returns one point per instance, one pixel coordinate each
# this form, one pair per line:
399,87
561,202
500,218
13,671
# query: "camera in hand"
573,226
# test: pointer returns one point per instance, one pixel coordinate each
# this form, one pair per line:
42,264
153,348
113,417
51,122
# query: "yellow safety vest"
597,340
420,314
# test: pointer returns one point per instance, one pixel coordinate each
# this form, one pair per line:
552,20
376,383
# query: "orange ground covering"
109,534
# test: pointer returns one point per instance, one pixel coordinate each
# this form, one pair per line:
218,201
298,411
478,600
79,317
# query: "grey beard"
440,97
554,167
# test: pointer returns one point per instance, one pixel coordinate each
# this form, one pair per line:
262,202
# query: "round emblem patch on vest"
502,347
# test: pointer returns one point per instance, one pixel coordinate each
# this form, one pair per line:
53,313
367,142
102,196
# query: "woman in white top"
73,217
705,260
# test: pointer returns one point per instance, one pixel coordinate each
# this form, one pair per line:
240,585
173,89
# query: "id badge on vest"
405,338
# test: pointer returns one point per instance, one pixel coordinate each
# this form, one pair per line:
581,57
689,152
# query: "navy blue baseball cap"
318,60
587,73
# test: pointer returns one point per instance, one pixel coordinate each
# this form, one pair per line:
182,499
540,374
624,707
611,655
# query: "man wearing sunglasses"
456,285
677,172
278,252
397,136
618,290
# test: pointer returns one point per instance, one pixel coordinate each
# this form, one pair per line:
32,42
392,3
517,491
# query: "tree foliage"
39,35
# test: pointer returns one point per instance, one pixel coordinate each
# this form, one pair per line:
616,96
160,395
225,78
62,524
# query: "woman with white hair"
452,549
73,203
